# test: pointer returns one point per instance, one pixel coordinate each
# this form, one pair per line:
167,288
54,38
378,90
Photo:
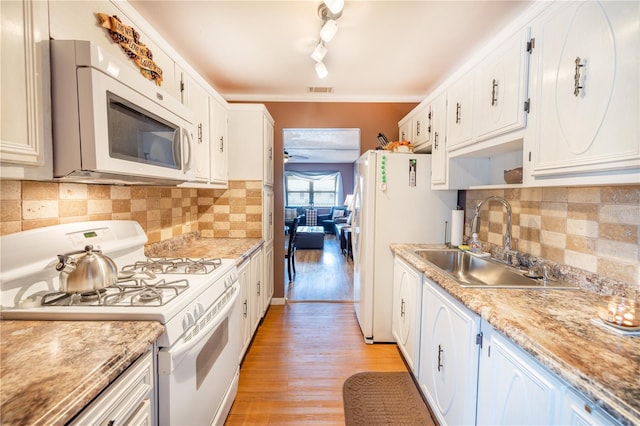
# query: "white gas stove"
195,299
174,291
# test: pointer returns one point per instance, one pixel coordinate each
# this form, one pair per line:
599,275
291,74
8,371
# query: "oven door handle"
170,358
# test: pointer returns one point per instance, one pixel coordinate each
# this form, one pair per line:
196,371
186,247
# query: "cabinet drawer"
123,398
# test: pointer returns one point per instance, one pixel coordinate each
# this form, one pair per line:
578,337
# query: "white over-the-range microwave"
110,125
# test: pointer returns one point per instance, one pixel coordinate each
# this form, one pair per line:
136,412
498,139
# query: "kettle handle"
63,259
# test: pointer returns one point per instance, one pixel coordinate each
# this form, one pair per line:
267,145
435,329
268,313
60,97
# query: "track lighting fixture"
319,52
329,11
335,6
321,70
329,30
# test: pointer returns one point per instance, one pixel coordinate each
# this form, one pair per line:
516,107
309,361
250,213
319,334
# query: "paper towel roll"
457,227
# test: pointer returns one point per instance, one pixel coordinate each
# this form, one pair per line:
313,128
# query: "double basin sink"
478,272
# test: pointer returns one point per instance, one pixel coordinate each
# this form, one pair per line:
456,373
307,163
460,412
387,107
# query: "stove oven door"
198,376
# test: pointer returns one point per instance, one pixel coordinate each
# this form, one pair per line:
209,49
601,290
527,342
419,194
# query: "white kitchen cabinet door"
244,279
405,131
448,370
501,89
575,410
267,287
438,148
268,150
512,387
585,68
25,122
256,288
422,127
460,112
250,143
407,298
267,215
219,173
197,100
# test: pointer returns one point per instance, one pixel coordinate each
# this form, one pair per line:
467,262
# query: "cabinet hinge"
527,105
479,339
531,44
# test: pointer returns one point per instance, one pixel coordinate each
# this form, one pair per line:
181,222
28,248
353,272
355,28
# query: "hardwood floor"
321,275
303,352
300,356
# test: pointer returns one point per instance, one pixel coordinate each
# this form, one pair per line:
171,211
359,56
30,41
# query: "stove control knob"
198,310
187,321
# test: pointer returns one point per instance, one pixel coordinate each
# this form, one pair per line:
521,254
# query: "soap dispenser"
474,244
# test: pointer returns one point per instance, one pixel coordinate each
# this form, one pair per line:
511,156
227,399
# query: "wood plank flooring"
303,351
300,356
322,275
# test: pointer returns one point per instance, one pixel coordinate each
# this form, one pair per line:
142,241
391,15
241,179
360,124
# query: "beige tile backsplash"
163,212
596,229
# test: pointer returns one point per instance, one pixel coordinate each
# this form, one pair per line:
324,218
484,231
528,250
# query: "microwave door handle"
188,150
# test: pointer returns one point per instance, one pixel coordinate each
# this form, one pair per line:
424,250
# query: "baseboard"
278,301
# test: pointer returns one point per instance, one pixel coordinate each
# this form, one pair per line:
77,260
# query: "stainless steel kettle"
89,272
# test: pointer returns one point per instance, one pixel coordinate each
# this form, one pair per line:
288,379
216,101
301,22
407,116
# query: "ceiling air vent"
320,90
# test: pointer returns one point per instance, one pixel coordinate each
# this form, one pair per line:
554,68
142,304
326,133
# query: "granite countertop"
555,327
51,369
225,248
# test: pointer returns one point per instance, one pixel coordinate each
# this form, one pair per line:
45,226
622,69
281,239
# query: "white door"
449,357
512,389
585,68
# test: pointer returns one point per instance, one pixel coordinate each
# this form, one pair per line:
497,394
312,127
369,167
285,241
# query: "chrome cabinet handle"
435,140
402,308
244,308
458,110
440,352
494,87
200,133
418,128
576,77
258,288
429,126
221,143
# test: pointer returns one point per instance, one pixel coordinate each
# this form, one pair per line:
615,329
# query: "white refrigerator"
393,203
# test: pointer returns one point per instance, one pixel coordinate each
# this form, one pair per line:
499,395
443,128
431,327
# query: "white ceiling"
384,51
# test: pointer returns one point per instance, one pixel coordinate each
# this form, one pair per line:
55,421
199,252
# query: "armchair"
336,215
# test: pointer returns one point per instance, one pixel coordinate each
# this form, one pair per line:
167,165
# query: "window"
304,188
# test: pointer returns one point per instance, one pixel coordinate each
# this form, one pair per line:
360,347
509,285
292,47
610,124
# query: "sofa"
322,213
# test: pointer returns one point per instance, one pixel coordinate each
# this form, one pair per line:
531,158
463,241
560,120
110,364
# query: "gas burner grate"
174,266
131,292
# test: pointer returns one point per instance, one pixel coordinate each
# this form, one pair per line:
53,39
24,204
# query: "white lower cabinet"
448,368
127,401
407,296
470,373
576,410
266,292
256,288
244,278
512,387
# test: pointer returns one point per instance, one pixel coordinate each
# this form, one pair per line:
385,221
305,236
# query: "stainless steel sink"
473,271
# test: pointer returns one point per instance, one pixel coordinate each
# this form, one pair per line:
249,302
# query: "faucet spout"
507,206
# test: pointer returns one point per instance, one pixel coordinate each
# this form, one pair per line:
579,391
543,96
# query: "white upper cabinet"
251,143
585,97
421,126
501,89
25,121
460,112
219,148
438,145
405,131
196,98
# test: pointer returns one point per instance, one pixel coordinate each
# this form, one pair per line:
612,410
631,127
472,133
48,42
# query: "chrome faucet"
507,235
